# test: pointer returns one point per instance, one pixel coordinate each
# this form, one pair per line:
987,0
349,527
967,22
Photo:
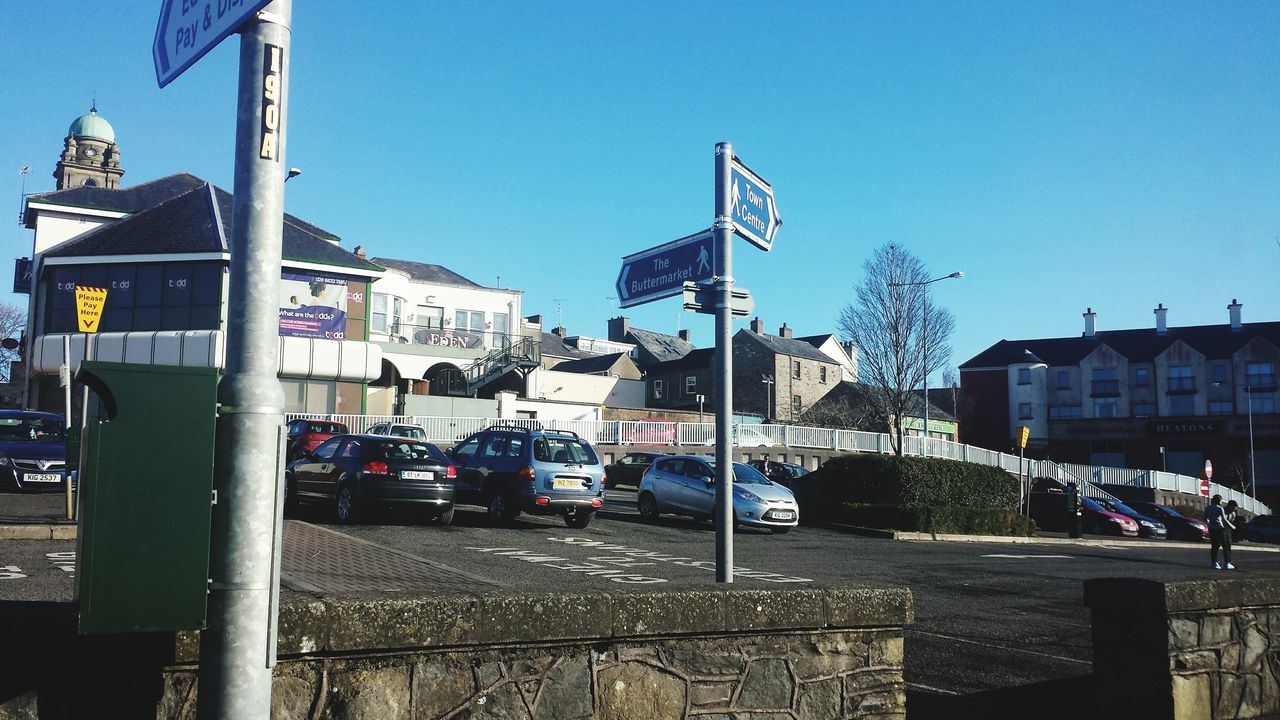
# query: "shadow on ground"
1071,698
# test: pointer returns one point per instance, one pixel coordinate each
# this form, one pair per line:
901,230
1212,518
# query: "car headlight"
5,461
1147,523
747,495
1117,521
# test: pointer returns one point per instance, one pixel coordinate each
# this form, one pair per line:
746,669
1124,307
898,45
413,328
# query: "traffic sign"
702,299
1208,468
89,302
190,28
755,217
1204,487
662,271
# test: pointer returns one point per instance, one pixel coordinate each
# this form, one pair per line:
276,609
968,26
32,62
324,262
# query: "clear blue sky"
1063,155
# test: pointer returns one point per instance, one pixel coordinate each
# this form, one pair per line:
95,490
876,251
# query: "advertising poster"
313,306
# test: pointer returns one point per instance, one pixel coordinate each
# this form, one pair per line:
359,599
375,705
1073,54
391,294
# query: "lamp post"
701,399
768,397
924,331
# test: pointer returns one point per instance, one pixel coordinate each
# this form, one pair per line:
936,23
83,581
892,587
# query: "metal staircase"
522,356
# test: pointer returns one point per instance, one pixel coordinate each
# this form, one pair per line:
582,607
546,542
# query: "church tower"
90,155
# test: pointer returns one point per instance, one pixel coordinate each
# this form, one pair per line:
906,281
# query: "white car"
685,485
413,432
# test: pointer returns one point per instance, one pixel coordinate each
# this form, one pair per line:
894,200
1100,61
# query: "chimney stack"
618,329
1090,322
684,335
1234,309
757,326
784,331
1162,322
359,251
559,332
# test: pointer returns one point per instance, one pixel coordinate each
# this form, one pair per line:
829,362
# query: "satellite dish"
9,344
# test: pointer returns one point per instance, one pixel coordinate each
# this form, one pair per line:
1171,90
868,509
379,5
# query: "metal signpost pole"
924,442
237,650
724,366
64,376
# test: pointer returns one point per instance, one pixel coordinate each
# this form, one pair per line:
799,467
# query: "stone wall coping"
1143,597
319,624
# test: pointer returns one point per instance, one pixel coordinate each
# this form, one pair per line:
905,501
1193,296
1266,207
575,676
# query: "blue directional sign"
662,271
190,28
755,217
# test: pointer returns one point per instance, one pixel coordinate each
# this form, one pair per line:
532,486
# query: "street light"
924,441
768,402
701,399
1248,391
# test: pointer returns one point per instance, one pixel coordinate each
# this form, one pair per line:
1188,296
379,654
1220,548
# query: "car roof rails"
514,426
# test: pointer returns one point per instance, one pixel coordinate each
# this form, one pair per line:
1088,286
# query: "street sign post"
1204,487
702,299
755,217
662,271
190,28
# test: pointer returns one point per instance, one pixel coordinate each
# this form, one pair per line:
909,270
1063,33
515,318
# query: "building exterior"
650,347
1163,397
90,156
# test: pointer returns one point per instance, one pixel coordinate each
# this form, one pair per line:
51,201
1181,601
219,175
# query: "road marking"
1001,647
930,688
64,561
675,559
1026,557
11,572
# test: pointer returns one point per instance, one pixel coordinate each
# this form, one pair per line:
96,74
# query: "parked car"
1264,528
685,485
1180,526
1147,526
305,436
357,472
648,431
33,451
415,432
747,436
782,473
1098,520
629,468
510,469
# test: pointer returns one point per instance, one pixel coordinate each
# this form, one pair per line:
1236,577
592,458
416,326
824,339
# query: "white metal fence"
633,432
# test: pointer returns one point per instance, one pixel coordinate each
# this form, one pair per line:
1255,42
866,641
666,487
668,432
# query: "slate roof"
848,389
426,272
699,359
662,347
590,365
795,347
1214,341
198,220
128,200
555,346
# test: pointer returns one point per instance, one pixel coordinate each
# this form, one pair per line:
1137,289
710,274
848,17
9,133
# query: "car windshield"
744,474
564,450
408,451
409,431
1117,506
30,428
1092,504
326,428
1169,511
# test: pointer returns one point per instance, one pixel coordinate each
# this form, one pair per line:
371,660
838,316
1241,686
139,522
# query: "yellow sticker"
89,302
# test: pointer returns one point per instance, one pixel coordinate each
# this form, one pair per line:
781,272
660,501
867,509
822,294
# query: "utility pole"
723,228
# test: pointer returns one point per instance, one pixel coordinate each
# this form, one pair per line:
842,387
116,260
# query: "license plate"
562,483
783,515
417,475
42,477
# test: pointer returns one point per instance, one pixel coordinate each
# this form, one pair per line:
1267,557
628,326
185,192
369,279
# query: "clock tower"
90,155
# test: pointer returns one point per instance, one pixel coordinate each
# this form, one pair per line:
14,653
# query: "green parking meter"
145,482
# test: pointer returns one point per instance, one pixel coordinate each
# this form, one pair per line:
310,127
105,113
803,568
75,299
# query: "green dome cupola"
92,126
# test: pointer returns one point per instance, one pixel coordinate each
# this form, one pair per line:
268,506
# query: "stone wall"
1191,649
707,653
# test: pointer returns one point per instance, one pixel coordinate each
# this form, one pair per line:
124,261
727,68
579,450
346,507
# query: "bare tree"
848,407
13,320
886,322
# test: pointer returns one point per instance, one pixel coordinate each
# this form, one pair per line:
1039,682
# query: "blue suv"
509,469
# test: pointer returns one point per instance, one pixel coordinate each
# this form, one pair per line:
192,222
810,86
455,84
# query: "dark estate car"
1148,526
508,469
629,468
355,472
306,435
1049,510
1180,526
33,451
1264,528
783,473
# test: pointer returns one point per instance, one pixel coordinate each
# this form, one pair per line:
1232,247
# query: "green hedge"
914,482
944,519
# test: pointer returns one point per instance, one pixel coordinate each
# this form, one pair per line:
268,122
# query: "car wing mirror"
709,481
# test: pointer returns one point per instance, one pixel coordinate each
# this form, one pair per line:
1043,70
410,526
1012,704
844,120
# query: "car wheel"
345,504
501,511
648,507
578,520
780,530
444,518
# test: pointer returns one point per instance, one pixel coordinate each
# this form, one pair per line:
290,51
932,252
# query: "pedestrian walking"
1229,531
1216,518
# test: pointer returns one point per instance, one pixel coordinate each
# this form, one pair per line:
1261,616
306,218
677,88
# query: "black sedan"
1180,526
1264,528
33,451
628,469
356,472
1148,527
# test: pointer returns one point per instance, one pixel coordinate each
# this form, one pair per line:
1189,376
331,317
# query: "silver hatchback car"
685,485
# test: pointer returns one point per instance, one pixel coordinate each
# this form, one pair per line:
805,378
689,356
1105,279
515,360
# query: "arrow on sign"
189,29
755,217
662,271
